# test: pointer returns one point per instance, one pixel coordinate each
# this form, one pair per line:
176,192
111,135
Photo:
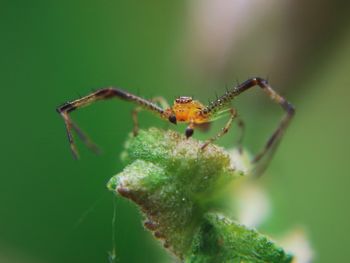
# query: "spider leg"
233,114
102,94
163,103
262,159
68,125
85,138
241,127
135,120
204,127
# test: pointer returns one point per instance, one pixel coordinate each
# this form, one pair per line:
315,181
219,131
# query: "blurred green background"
57,209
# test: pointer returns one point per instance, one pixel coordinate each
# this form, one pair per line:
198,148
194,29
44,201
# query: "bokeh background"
56,209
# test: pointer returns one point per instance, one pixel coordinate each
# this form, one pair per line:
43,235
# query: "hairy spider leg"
162,102
241,127
274,140
233,114
102,94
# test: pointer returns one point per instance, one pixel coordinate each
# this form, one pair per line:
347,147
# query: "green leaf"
178,185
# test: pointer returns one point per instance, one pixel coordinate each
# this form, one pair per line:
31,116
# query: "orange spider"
186,110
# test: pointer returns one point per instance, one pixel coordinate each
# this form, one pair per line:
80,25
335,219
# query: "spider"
185,110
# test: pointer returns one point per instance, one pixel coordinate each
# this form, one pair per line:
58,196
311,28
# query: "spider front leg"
70,125
261,160
102,94
163,103
233,114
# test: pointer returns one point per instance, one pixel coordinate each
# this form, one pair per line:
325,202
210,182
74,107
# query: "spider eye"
172,119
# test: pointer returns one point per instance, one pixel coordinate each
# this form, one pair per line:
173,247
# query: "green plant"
182,191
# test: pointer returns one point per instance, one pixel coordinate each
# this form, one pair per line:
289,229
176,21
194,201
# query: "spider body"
189,111
185,110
